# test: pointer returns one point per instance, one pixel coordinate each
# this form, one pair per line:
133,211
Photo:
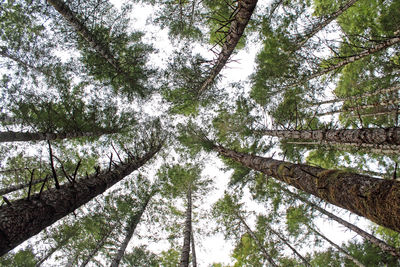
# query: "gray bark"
184,262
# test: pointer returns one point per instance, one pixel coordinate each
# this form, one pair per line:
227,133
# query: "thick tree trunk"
302,39
306,263
25,218
258,242
246,8
194,258
98,246
377,242
19,186
355,137
26,136
375,199
348,255
81,28
134,221
184,262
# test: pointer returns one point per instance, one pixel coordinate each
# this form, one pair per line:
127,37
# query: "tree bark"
25,218
375,199
184,262
133,222
348,255
98,246
376,241
354,137
306,263
194,258
361,107
302,39
19,186
258,242
246,8
27,136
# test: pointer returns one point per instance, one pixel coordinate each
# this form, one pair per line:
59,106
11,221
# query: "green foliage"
22,258
170,258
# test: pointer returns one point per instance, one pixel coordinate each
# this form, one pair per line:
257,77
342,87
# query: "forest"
220,133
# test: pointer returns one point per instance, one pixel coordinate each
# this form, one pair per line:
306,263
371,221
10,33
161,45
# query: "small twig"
394,173
7,201
63,169
76,170
52,166
116,153
41,188
30,184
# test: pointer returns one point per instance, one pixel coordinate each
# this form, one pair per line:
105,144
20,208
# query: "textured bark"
376,241
258,242
306,263
26,136
375,199
25,218
361,107
194,258
19,186
81,28
134,221
184,262
355,97
301,40
98,246
354,137
387,111
239,23
348,255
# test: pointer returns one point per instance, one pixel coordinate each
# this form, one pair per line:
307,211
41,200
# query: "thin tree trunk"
26,136
246,8
133,222
348,255
98,246
258,242
361,107
19,186
377,242
388,111
353,137
81,28
347,60
288,244
375,199
25,218
184,262
51,252
302,39
355,97
194,258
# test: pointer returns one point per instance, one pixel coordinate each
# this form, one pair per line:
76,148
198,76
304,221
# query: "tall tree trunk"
26,136
14,188
386,111
51,252
355,137
302,39
25,218
377,242
258,242
184,262
246,8
306,263
133,222
355,97
361,107
98,246
375,199
194,258
348,255
81,28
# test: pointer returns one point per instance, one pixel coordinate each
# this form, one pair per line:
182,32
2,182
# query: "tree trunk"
306,263
25,218
375,199
26,136
302,39
354,137
355,97
133,222
387,111
348,255
19,186
246,8
51,252
98,246
258,242
194,258
187,231
81,28
377,242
